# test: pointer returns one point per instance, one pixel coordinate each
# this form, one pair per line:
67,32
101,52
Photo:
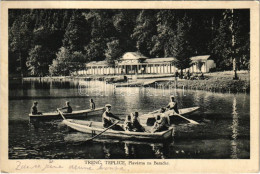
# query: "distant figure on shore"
176,75
92,104
137,127
201,76
188,74
109,119
34,109
68,107
173,105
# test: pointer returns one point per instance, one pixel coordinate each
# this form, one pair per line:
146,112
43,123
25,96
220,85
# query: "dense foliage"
58,42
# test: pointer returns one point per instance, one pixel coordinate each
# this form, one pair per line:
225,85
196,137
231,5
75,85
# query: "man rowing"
34,109
173,105
68,107
109,119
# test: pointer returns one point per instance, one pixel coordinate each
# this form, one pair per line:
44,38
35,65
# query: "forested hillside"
57,42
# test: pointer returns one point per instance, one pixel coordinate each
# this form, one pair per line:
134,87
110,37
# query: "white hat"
108,105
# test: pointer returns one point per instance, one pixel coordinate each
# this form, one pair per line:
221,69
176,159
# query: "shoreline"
214,82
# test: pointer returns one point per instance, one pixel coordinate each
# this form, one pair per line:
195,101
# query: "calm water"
223,132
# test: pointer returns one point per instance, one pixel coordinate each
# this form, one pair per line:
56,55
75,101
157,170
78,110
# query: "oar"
61,114
191,121
103,131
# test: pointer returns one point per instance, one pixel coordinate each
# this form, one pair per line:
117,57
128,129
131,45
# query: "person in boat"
128,123
173,105
34,108
108,119
163,114
137,127
68,107
161,124
92,104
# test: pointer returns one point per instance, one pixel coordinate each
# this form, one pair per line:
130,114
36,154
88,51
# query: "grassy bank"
216,82
214,85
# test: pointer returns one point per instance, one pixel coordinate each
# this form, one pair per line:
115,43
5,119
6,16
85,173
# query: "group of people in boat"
67,107
131,122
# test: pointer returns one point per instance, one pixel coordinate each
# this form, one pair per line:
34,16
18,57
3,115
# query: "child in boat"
160,124
92,104
128,123
68,107
34,108
137,127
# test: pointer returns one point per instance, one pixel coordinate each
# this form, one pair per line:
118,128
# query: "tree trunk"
235,69
233,46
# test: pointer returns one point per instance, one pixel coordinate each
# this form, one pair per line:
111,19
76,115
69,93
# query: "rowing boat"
94,128
150,117
56,115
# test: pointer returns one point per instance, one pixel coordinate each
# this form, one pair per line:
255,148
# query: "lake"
223,131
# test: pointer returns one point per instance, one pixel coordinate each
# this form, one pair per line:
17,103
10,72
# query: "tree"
67,63
124,23
77,33
113,52
182,47
144,30
38,61
95,50
231,45
60,64
20,36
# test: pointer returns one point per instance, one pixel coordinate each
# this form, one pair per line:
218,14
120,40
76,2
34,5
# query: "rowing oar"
103,131
191,121
61,114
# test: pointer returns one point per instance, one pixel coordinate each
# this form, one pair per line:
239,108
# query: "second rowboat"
56,115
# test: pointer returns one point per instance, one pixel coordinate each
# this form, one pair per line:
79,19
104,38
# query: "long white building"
136,63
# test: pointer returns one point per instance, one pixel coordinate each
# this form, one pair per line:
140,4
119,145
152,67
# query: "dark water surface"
223,132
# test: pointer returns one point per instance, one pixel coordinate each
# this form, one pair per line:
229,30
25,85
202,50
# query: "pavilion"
136,63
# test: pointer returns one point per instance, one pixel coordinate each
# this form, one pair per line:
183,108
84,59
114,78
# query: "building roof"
133,56
160,60
97,63
200,58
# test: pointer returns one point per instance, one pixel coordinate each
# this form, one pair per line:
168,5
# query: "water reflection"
216,138
234,130
129,150
158,150
106,150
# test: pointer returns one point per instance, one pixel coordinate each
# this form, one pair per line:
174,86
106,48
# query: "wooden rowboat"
56,115
150,117
94,128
